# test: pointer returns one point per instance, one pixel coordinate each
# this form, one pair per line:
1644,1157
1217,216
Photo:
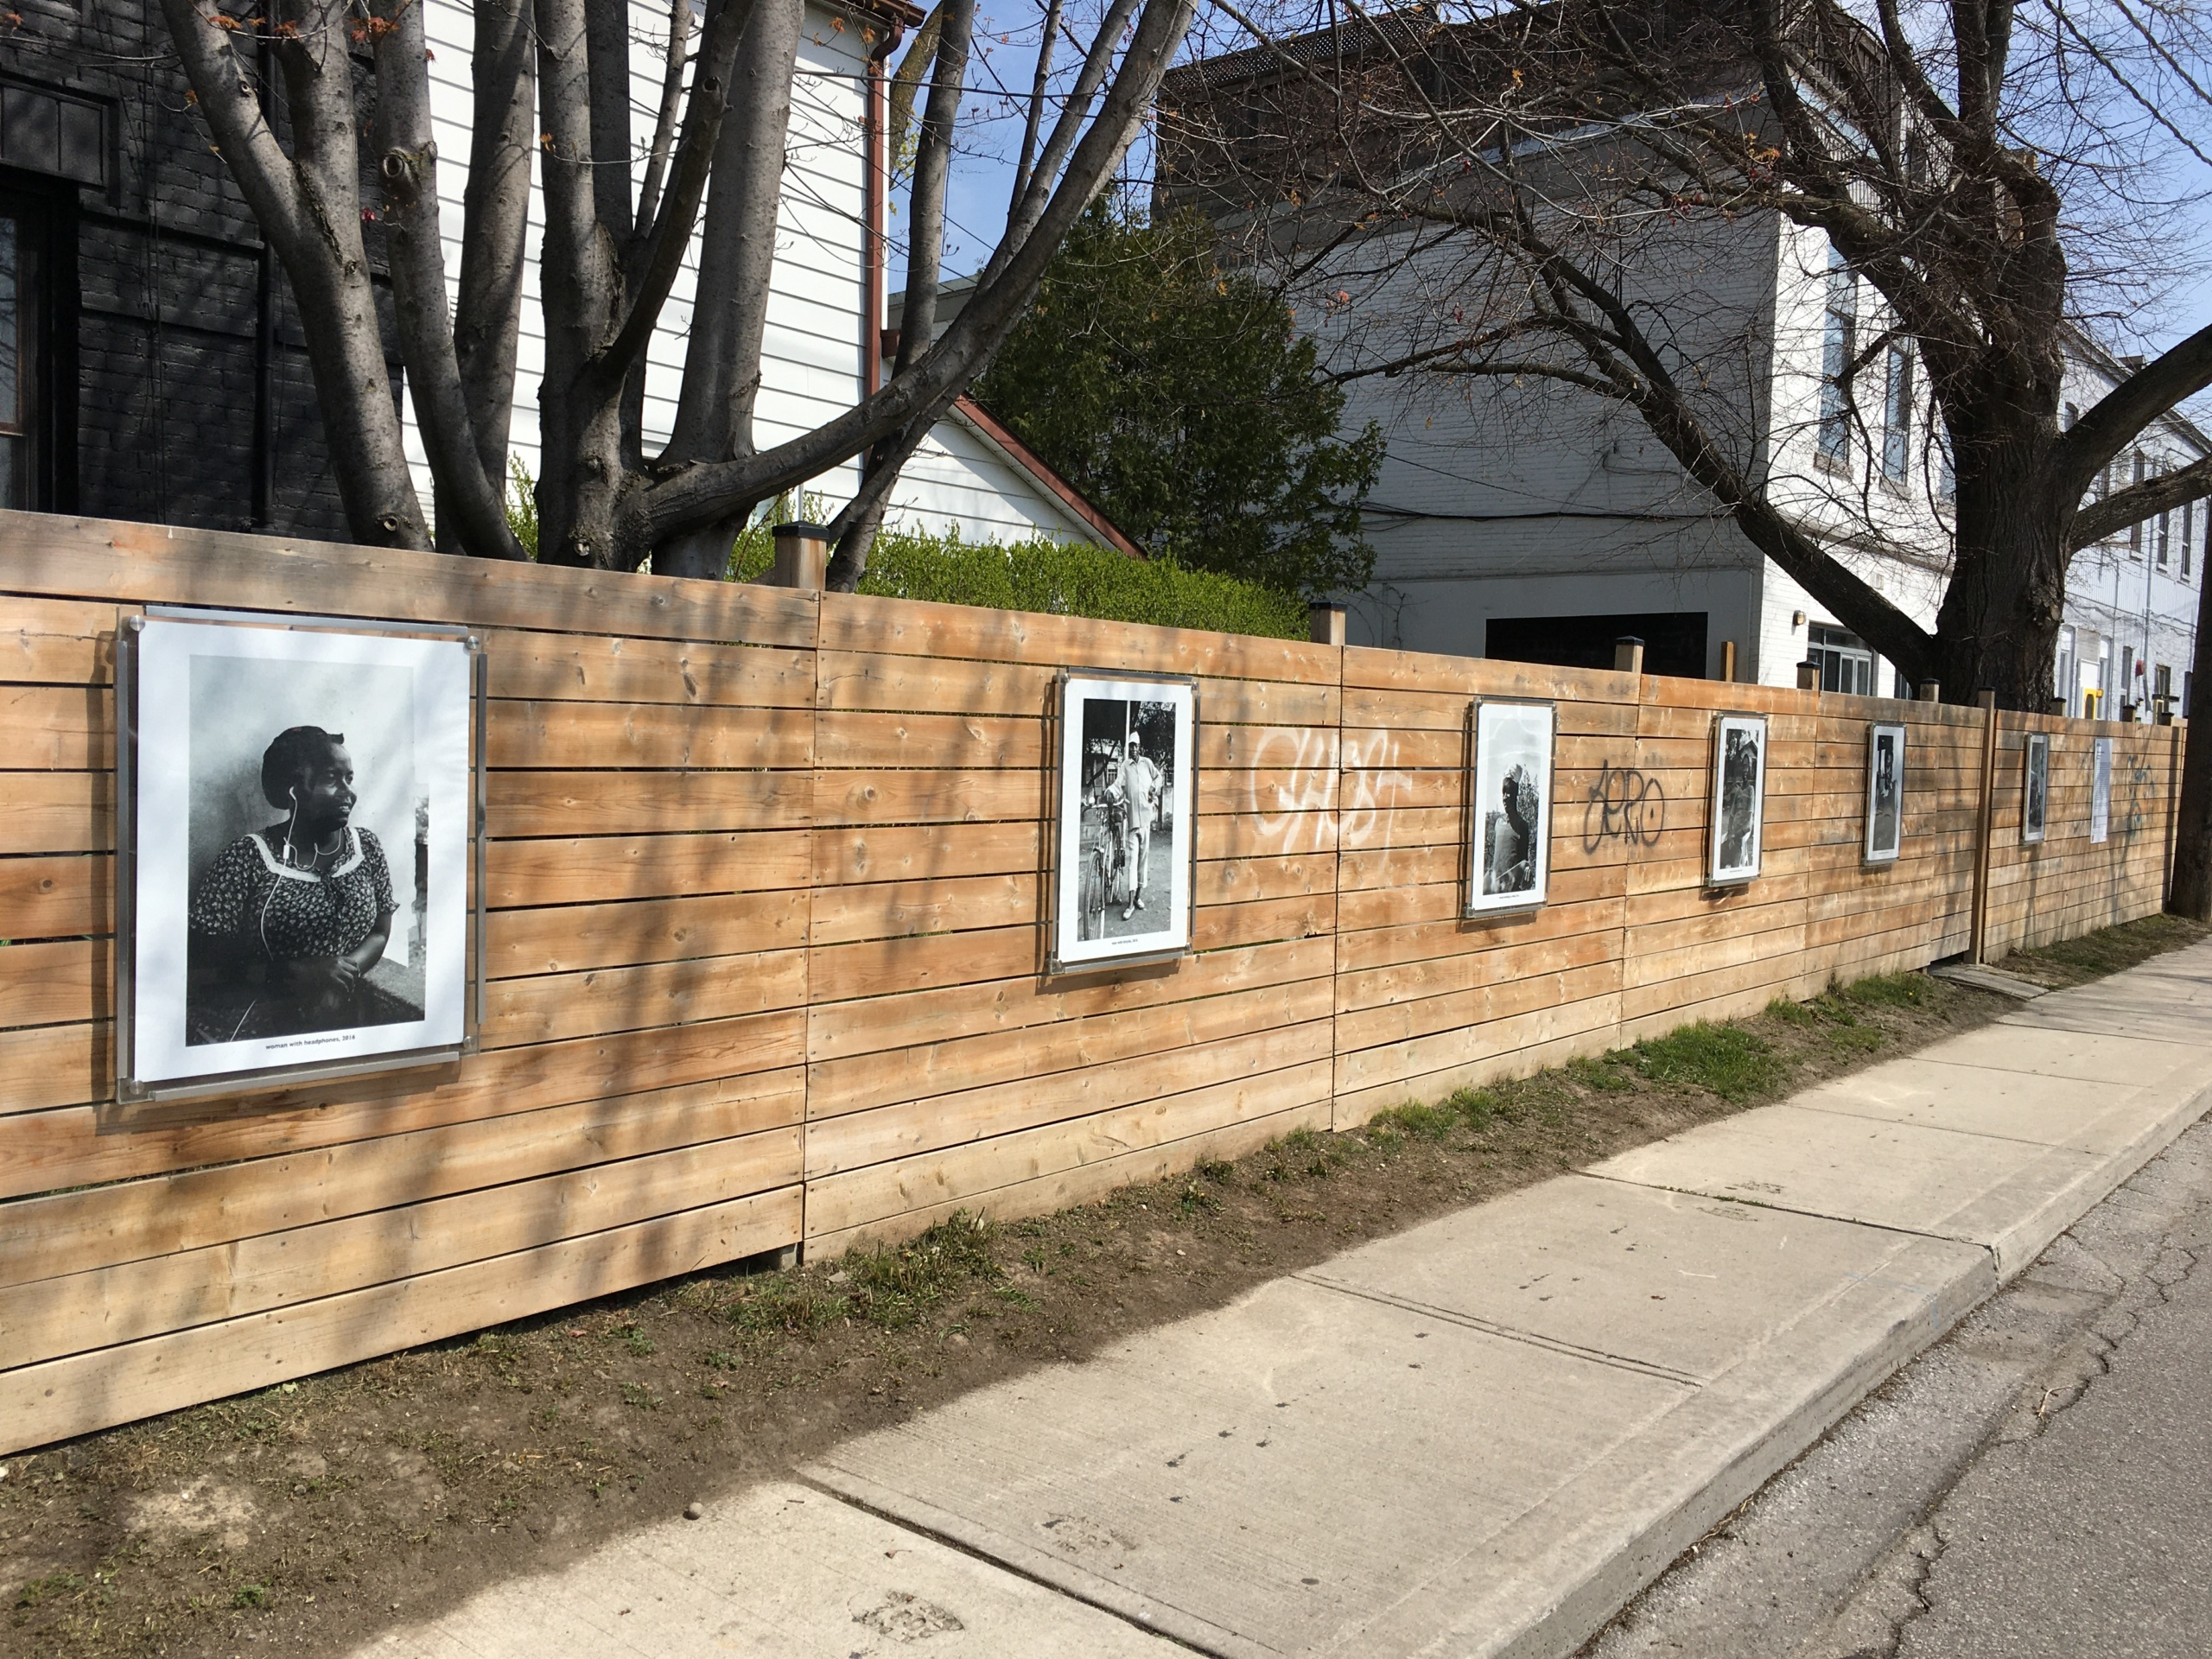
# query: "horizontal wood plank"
39,1404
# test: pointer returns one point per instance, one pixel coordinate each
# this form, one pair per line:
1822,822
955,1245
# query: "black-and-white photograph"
1738,796
299,844
1510,862
2034,798
2100,793
1125,819
1885,793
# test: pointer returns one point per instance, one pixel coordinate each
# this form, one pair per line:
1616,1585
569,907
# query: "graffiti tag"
1624,804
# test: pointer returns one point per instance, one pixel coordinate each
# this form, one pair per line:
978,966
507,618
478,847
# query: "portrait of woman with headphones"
287,921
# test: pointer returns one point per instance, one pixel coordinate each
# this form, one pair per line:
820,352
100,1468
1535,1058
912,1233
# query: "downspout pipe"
875,196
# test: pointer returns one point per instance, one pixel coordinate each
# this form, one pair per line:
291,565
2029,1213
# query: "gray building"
1524,517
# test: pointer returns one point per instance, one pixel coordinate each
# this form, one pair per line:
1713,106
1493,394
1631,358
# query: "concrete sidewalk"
1479,1437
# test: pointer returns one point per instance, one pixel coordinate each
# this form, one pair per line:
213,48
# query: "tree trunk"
580,415
2192,888
1997,628
737,251
496,213
331,281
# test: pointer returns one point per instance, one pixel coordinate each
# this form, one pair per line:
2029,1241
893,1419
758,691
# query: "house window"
2188,530
1843,659
1897,417
2162,682
2063,671
2135,530
18,363
2163,543
1838,345
1946,474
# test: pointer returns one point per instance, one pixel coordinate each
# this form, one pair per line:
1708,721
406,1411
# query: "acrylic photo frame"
2100,791
2035,789
1736,800
205,702
1510,767
1124,820
1885,782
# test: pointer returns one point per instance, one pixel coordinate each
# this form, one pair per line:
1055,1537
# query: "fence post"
1985,819
1325,624
801,557
1628,655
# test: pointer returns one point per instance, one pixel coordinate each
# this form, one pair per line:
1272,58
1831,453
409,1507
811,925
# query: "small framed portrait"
1510,825
2035,788
298,820
1125,836
2100,791
1739,798
1885,793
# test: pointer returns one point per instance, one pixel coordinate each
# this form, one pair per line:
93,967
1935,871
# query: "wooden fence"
764,943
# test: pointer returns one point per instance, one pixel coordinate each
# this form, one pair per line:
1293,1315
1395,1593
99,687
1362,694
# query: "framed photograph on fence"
2100,793
2035,787
1739,817
1885,793
1509,857
1126,823
297,813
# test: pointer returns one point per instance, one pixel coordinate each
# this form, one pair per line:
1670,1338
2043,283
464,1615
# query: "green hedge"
1059,578
1062,579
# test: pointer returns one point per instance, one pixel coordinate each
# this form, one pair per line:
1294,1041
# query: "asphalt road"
2038,1484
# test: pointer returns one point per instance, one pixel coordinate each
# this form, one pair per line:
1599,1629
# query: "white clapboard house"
827,292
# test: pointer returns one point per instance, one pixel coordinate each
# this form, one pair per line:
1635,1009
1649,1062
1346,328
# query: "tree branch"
932,167
1036,115
696,159
2113,422
671,103
1095,62
906,80
495,220
737,250
224,88
2138,502
697,493
853,531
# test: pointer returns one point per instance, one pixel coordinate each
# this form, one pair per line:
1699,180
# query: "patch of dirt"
310,1515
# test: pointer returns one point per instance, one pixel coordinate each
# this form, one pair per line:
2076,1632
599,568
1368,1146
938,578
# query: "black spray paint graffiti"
1623,805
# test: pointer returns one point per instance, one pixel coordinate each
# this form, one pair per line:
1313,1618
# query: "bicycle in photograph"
1105,879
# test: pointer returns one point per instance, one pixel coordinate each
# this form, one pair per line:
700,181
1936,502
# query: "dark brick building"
151,364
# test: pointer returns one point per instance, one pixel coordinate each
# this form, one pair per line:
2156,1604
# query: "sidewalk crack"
1510,1333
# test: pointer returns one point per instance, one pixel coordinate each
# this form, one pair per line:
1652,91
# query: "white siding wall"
811,355
2119,596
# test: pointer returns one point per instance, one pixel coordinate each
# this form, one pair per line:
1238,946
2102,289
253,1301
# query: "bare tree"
613,248
1525,167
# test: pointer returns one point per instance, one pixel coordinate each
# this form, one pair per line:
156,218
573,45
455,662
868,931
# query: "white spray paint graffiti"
1293,779
1373,786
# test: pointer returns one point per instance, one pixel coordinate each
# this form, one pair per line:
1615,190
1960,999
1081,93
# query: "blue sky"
1007,33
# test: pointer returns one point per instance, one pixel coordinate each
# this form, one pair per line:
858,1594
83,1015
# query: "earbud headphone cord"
291,819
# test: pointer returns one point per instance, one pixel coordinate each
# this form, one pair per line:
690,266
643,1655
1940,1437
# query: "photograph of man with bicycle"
1125,865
